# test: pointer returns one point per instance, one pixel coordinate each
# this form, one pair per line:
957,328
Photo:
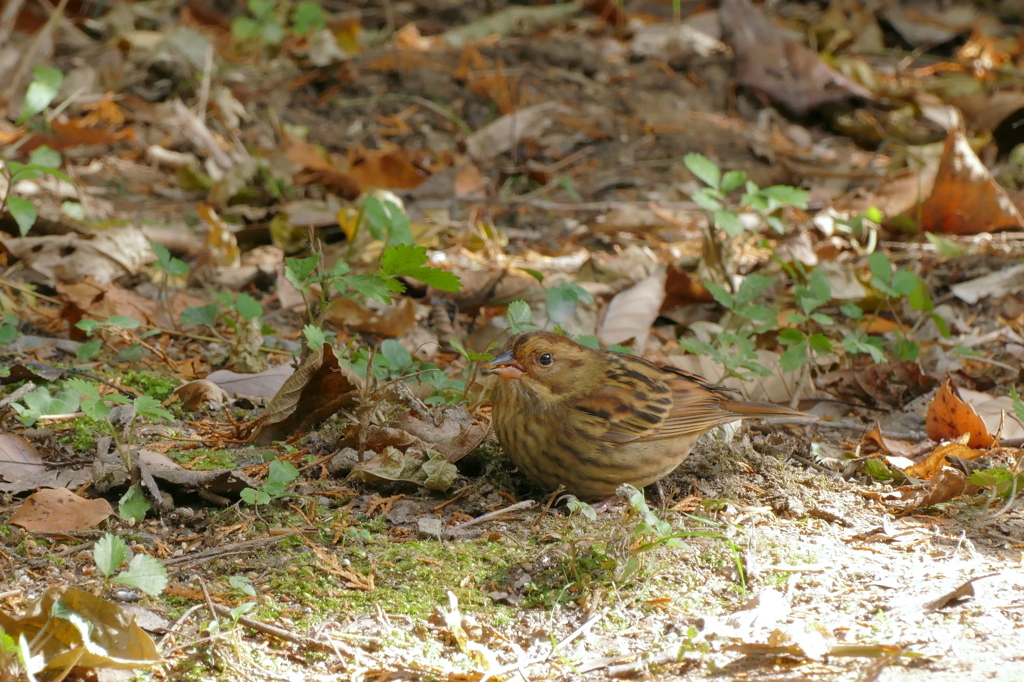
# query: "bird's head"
549,365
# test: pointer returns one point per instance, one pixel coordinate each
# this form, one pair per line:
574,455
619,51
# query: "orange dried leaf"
949,417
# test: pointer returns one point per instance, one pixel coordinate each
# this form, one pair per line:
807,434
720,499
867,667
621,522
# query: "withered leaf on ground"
55,510
110,473
427,468
113,639
266,384
949,417
318,389
21,468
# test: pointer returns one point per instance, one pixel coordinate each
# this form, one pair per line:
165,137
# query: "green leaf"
248,308
308,17
718,292
704,168
84,388
109,553
942,325
794,357
822,319
820,343
315,337
8,332
406,260
273,31
96,410
387,222
45,157
43,89
708,199
752,287
589,340
851,310
133,505
520,316
791,335
73,209
563,300
149,406
204,315
733,180
146,573
396,354
374,286
919,298
789,196
991,478
880,267
945,247
244,28
299,271
23,212
123,321
905,282
1018,406
729,222
905,349
89,350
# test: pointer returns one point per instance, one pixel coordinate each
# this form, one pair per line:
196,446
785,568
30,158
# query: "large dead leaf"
98,634
105,256
157,468
372,317
773,63
103,300
266,384
58,510
949,417
509,130
21,468
933,463
318,389
631,312
965,198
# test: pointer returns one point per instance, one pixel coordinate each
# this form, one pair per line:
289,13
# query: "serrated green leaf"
851,310
308,17
752,287
149,406
733,180
563,299
247,307
707,199
146,573
905,349
820,343
790,335
719,293
729,222
84,388
204,315
315,336
789,196
519,315
375,287
794,357
299,271
109,553
704,168
23,212
133,504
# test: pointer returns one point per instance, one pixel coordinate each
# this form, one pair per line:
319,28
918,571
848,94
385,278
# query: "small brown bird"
592,420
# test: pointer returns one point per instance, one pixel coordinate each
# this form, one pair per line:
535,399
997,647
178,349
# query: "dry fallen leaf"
56,510
949,417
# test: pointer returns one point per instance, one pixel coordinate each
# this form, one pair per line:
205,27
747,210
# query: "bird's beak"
505,366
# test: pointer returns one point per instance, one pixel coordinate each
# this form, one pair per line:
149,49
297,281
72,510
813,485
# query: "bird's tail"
747,410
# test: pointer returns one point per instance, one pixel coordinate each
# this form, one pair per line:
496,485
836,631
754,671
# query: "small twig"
489,516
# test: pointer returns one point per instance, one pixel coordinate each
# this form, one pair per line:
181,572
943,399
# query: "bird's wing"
642,401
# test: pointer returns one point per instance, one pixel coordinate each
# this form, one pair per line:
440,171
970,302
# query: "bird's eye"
545,360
